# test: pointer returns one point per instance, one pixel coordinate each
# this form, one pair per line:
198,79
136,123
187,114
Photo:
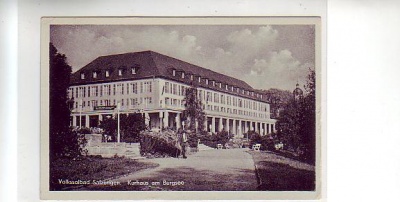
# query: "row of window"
131,102
207,96
111,89
216,84
235,111
107,73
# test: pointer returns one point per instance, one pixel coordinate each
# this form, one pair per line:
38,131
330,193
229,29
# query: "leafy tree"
308,131
130,127
193,110
109,126
277,99
63,141
193,113
296,124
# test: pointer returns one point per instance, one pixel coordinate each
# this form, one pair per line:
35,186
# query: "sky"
264,56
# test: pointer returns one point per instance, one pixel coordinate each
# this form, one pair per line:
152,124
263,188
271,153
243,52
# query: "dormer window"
226,87
191,77
213,83
82,75
94,75
220,85
133,70
107,73
120,72
183,75
199,79
173,72
207,81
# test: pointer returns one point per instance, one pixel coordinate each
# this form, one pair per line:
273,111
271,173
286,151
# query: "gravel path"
212,170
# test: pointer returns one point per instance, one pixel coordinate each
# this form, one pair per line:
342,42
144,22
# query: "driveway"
211,170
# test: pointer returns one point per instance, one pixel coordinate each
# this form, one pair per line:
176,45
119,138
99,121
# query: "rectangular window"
89,91
174,89
120,72
107,73
166,87
94,75
150,86
114,89
216,98
183,90
82,76
122,90
133,70
141,87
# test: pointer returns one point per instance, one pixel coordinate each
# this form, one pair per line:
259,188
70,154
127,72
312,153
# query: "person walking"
182,139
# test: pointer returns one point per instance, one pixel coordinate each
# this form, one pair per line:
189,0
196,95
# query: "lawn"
278,173
91,168
193,180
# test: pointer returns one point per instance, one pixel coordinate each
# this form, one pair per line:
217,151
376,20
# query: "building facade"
154,85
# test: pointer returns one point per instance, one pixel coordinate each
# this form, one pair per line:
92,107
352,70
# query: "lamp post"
80,113
118,133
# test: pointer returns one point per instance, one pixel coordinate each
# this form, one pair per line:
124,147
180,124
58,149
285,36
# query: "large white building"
154,85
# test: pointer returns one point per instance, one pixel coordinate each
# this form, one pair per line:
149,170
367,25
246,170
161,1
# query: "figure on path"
182,139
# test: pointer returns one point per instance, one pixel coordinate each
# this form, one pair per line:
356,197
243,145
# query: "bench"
256,147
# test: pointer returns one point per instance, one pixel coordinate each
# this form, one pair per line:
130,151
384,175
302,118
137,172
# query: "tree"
130,127
63,141
308,131
193,110
109,127
193,113
296,123
277,99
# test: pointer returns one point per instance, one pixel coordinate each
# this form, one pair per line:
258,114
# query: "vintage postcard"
181,108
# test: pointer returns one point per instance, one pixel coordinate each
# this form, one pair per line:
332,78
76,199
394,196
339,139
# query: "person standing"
182,138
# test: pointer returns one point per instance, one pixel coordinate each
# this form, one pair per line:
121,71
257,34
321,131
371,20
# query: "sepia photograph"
153,106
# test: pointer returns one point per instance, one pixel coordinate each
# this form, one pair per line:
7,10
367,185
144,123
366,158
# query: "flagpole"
80,113
119,135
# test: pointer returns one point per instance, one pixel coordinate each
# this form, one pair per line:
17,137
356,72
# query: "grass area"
193,179
91,168
278,173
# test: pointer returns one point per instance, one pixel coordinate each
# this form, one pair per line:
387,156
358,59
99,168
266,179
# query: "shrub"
254,138
214,139
158,144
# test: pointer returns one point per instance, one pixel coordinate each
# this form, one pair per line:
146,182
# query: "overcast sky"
263,56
